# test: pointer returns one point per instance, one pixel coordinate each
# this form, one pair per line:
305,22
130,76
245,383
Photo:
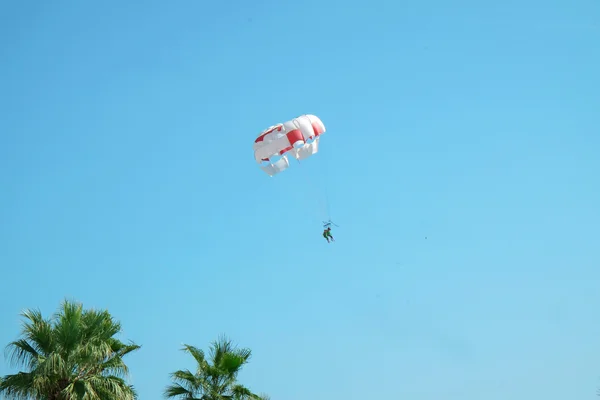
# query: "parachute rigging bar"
326,224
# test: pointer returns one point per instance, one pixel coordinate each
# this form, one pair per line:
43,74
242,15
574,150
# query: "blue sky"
460,161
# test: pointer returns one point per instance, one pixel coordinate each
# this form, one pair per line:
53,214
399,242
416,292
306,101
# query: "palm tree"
71,356
215,379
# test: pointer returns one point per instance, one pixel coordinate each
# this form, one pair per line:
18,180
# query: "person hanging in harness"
327,234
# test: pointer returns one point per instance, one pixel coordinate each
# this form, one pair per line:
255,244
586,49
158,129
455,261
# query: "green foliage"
74,355
71,356
214,379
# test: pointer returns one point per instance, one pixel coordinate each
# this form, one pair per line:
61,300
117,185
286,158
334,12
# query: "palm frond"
215,379
18,386
22,353
231,363
197,353
109,387
176,390
37,331
240,392
186,378
73,355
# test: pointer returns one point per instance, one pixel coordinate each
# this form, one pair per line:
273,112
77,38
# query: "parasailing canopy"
298,138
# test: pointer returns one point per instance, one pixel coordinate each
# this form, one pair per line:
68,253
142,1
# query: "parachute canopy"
298,137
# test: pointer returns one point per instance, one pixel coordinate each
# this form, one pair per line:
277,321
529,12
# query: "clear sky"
460,162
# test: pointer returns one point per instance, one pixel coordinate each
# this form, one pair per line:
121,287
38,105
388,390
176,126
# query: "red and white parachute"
298,137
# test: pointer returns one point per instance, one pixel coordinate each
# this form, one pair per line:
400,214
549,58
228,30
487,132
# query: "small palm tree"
214,380
71,356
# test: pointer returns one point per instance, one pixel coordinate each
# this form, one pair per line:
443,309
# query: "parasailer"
297,138
327,234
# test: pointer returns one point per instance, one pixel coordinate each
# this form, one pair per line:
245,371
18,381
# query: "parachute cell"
298,137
